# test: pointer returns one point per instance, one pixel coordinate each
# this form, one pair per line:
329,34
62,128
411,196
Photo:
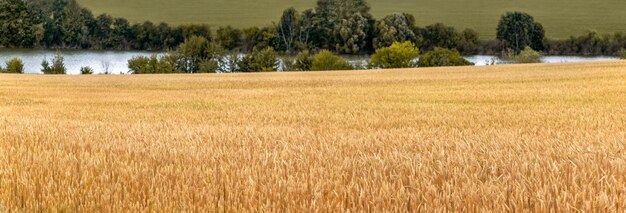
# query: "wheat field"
511,138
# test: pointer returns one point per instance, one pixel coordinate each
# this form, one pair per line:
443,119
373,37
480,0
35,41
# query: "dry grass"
505,138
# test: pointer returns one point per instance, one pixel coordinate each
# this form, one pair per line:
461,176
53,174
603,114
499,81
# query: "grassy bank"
501,138
562,18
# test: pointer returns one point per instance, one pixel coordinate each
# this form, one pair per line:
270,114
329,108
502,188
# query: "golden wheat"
504,138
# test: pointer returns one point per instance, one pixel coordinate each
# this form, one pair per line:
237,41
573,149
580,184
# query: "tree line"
340,26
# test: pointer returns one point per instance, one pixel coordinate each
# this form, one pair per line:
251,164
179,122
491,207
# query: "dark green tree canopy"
394,28
518,30
17,24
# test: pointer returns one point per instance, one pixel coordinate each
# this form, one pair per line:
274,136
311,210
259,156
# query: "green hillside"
561,18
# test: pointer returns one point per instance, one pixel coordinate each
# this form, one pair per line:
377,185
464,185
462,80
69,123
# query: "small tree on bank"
57,67
15,65
86,71
398,55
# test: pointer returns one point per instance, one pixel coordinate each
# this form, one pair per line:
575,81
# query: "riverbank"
116,62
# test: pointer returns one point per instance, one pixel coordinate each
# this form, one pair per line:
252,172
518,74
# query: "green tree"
17,27
398,55
519,30
58,65
394,28
353,34
152,64
14,65
191,53
265,60
439,35
327,61
440,57
259,38
288,28
228,37
330,15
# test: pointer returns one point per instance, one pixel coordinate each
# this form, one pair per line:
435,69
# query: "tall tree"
519,30
330,15
353,34
394,28
288,28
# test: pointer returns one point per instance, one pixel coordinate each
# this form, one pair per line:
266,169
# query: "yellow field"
503,138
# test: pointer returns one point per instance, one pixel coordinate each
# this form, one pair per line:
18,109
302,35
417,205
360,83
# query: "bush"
398,55
86,71
259,61
15,65
526,56
58,65
621,53
302,62
442,57
152,64
326,61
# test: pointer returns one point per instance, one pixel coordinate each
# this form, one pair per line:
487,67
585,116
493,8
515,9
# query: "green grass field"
561,18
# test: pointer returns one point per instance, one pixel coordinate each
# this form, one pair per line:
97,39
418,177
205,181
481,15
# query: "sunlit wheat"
506,138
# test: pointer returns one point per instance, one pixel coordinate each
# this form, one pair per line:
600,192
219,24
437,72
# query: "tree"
121,34
228,37
393,28
17,27
58,65
14,65
439,35
191,53
330,15
519,30
288,28
326,61
440,57
259,61
86,71
398,55
259,38
353,34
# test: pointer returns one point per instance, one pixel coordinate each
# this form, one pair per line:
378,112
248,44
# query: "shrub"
152,64
58,65
259,61
442,57
14,65
528,55
86,71
621,53
326,61
398,55
302,62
